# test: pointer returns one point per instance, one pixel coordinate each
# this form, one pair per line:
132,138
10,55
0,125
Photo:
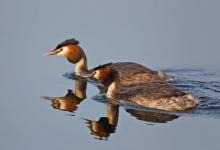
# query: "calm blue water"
60,120
136,121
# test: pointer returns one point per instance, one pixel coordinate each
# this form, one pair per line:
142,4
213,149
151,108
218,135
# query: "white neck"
113,89
81,65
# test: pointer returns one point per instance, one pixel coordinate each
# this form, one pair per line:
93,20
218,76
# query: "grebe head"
69,48
104,73
108,77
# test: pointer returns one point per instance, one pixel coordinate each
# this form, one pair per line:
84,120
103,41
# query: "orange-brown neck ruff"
74,54
104,75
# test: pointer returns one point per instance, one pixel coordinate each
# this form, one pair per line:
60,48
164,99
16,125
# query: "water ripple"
204,84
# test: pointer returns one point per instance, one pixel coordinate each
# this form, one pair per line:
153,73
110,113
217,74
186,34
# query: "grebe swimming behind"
159,95
130,73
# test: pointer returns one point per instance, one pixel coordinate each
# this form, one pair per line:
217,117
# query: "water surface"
65,120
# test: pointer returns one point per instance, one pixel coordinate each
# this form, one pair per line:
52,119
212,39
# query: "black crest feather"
67,42
102,66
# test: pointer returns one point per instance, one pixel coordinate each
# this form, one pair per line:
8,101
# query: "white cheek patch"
97,75
63,52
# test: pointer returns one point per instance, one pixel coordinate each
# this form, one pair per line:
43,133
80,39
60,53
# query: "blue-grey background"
171,33
156,33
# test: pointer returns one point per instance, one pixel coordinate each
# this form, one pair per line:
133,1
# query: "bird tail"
163,76
191,101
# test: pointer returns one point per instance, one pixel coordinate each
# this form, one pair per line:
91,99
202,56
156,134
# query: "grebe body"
158,95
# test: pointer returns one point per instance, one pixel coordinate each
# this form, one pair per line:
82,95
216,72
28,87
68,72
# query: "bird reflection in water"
70,101
105,126
151,117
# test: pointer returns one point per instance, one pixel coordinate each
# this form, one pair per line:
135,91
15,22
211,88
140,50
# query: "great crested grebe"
159,95
130,73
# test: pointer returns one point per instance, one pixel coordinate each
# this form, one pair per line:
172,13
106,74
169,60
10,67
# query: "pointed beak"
87,120
88,74
47,98
53,52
